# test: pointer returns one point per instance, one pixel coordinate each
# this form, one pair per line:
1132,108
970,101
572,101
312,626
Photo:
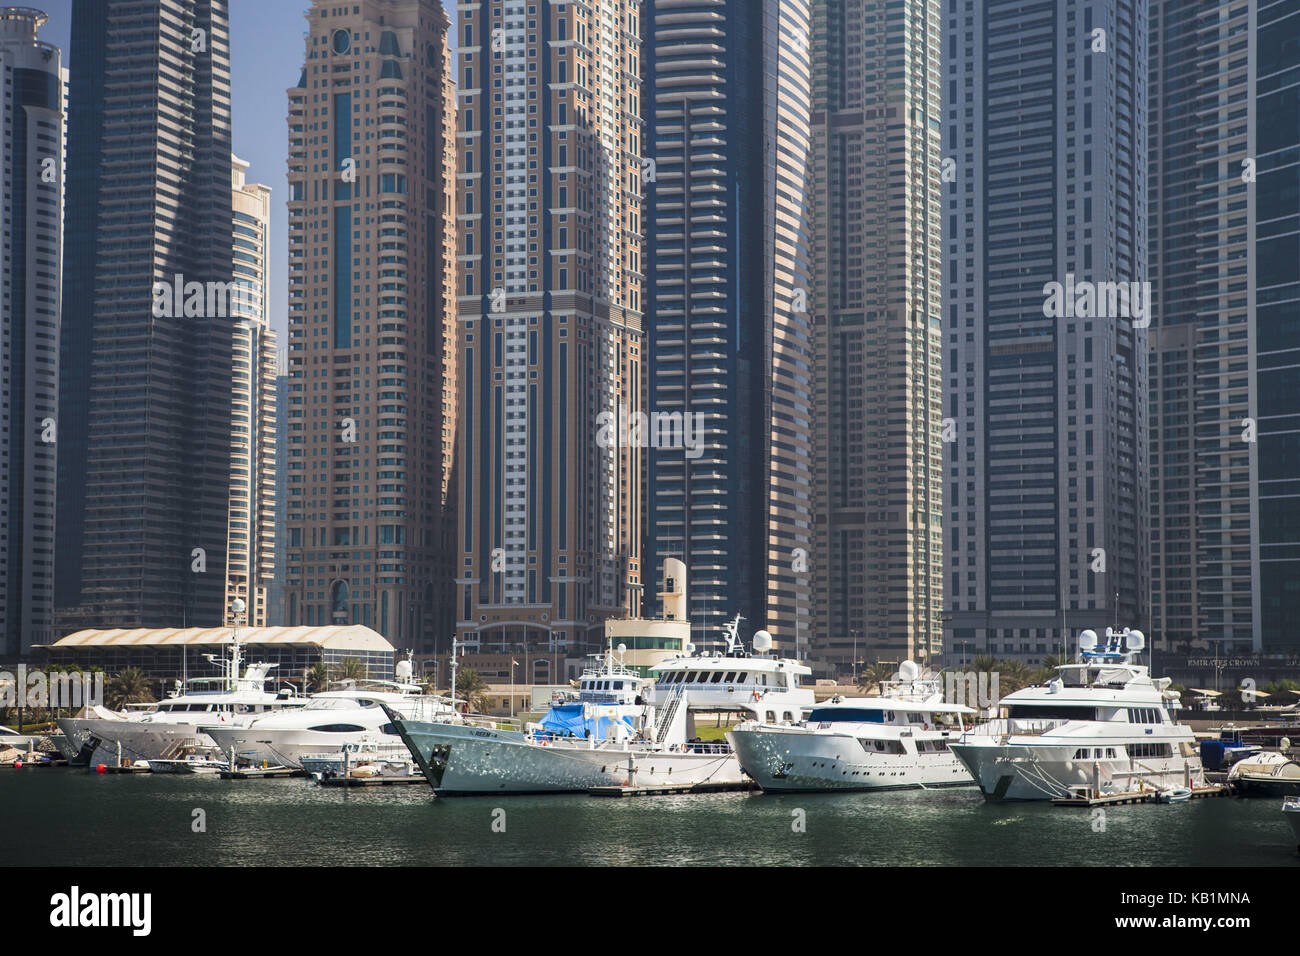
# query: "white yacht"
173,725
621,728
332,720
1102,724
899,739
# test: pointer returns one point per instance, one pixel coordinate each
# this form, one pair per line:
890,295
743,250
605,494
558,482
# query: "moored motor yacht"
622,729
899,739
1101,723
166,728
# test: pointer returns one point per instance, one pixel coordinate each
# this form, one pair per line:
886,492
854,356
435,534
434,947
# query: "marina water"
69,817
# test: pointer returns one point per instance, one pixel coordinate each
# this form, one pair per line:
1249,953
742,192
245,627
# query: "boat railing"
1003,727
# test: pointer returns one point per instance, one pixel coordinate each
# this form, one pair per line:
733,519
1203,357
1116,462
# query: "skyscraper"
1044,337
145,358
371,353
729,348
878,305
549,207
250,560
1225,355
31,235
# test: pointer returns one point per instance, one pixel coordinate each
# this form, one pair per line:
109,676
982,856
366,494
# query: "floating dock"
663,789
259,773
370,781
1134,796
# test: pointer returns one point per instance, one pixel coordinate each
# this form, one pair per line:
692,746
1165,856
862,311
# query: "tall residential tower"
1045,332
728,232
878,304
549,206
145,409
1225,352
372,361
250,561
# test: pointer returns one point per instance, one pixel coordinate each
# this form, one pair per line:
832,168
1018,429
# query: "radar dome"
908,670
622,649
1135,641
762,641
1088,640
403,670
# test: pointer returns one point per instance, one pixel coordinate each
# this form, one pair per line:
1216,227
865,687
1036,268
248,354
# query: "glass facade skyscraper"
1046,471
145,416
727,253
31,235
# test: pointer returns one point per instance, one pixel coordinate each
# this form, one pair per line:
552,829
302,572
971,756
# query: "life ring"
756,696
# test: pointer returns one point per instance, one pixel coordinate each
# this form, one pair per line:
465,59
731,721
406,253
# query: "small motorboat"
1269,774
1174,795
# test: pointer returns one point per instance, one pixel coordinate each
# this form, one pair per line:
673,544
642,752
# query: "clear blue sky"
266,52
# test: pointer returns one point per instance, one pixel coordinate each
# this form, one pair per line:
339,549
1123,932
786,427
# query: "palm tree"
1012,676
318,677
471,687
352,669
872,676
128,687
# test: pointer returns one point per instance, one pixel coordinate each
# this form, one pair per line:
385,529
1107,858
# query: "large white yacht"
899,739
173,725
620,729
331,720
1103,723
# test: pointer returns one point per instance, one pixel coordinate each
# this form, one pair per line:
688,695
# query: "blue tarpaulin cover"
565,719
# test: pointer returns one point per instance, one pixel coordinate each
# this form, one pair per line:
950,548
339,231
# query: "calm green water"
69,817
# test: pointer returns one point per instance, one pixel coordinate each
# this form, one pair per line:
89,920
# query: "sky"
266,53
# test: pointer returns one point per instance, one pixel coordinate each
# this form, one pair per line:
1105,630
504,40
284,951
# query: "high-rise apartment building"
727,235
31,235
250,554
1044,211
549,206
878,310
1225,350
371,353
145,408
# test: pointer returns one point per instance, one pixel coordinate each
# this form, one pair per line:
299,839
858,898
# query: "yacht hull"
286,748
785,761
1044,771
460,759
139,741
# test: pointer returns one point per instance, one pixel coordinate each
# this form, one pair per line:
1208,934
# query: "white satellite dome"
1135,640
404,670
909,670
1087,640
762,642
622,649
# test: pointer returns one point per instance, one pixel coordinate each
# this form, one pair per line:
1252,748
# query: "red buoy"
18,765
101,768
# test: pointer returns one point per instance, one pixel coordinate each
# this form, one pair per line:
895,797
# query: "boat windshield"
335,703
1051,712
846,715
